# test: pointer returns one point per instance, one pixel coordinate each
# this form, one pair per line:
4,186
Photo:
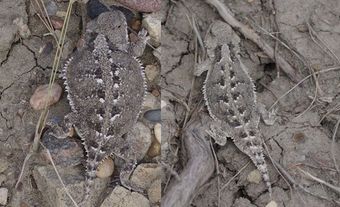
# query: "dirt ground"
304,140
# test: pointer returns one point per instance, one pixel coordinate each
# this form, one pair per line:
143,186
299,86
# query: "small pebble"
105,169
135,24
57,22
51,8
40,96
154,192
156,93
158,130
155,149
150,102
153,115
145,174
61,14
152,24
271,204
163,103
124,198
254,177
95,8
3,196
151,72
139,139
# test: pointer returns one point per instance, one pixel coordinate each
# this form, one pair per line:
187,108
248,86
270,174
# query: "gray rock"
53,192
3,196
51,7
145,174
121,197
243,202
153,115
140,140
152,23
65,152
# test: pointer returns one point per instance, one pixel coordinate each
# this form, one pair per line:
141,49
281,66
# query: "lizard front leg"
268,117
219,132
136,48
125,175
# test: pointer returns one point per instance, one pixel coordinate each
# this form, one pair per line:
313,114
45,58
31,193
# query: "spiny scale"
106,90
230,97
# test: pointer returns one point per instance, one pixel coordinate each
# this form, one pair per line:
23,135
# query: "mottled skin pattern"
106,87
231,101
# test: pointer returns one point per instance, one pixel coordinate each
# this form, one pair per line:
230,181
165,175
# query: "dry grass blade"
217,172
323,44
301,81
198,39
44,17
329,112
231,179
34,147
335,188
317,87
43,116
58,175
295,184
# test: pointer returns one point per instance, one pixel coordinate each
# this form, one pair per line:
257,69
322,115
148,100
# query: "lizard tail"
260,163
94,157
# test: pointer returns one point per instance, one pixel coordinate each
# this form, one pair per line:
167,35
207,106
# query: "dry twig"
333,145
199,167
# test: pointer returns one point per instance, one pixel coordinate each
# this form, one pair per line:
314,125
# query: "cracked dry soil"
301,137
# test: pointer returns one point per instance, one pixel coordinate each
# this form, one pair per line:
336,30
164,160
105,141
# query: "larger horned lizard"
230,97
105,84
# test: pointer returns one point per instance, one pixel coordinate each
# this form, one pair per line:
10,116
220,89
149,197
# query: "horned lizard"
106,86
230,97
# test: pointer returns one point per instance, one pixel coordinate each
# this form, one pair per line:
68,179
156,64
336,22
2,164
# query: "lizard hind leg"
125,175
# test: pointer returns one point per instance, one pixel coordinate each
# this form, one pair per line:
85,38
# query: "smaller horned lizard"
106,87
230,97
